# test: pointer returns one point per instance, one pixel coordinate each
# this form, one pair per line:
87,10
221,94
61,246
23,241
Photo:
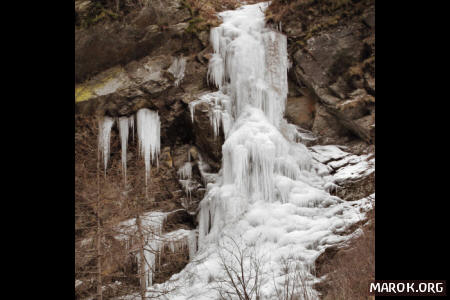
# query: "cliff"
131,55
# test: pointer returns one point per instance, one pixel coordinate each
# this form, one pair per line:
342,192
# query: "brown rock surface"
149,31
332,47
301,111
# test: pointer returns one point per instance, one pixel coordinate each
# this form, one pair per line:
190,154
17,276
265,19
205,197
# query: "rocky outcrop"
152,30
204,136
332,47
354,175
301,110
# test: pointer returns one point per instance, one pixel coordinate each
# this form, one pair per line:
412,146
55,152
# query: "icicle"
180,240
148,128
185,172
219,111
124,130
104,137
188,186
177,69
151,225
131,124
216,70
204,168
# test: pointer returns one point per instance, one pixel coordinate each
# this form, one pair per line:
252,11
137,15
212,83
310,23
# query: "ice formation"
181,239
131,124
154,239
260,159
104,138
204,168
185,172
219,112
177,69
151,225
272,192
250,62
124,123
148,129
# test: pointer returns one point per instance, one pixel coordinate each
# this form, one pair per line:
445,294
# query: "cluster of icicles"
189,184
148,132
155,241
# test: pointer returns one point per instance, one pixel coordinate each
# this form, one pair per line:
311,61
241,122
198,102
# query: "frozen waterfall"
271,193
260,161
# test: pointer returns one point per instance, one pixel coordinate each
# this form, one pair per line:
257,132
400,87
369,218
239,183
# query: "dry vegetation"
243,267
100,204
349,270
312,16
280,10
204,12
106,10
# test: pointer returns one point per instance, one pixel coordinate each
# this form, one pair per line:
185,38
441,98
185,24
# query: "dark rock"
301,111
356,190
104,45
178,217
205,140
327,255
335,62
180,156
369,19
328,128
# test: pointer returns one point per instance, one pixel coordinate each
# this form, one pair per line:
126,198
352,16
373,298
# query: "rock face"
148,82
155,30
301,111
204,136
122,67
333,55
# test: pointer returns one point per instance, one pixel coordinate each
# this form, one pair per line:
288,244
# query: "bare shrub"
295,285
243,266
107,266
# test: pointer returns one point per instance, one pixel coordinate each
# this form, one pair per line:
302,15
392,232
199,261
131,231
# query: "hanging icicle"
104,136
131,124
177,69
124,129
148,128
